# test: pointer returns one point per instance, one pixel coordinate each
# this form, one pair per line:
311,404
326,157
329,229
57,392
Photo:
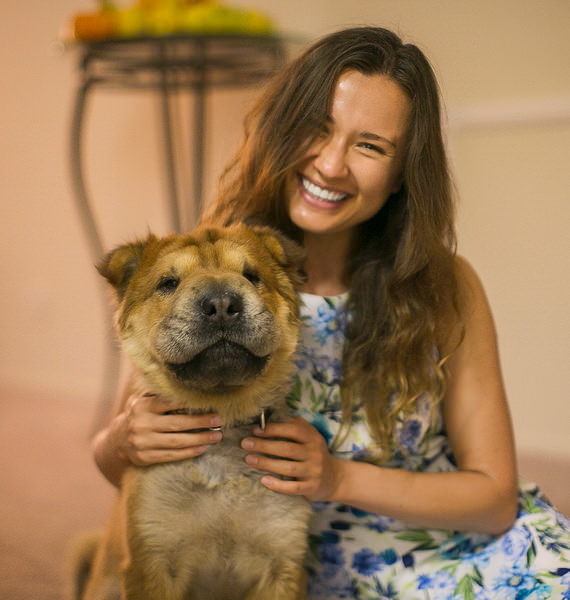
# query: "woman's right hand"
150,431
143,433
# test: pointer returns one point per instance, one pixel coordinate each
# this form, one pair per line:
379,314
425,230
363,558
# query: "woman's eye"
372,148
167,285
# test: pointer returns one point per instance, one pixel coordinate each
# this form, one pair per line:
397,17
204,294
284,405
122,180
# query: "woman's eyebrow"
368,135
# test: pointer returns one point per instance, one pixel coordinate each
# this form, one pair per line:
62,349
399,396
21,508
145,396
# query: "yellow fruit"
130,22
212,18
162,21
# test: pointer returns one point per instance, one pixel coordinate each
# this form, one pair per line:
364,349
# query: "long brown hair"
403,302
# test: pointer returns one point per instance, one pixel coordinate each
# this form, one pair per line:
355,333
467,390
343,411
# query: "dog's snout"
222,308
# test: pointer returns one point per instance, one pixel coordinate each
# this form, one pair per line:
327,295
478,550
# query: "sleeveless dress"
354,554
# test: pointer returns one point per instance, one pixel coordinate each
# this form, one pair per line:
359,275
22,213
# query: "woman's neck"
326,265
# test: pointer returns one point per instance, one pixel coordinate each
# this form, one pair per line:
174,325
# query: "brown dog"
210,319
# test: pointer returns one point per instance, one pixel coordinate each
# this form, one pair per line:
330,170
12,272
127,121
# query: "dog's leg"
103,579
103,582
152,569
286,581
151,582
82,558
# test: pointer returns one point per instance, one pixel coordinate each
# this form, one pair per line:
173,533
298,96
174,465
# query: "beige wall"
504,70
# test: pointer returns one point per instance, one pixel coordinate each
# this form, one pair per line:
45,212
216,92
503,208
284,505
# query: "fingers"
143,458
147,435
295,429
299,455
285,468
146,448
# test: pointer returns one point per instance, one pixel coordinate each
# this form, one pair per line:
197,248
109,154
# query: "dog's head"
209,312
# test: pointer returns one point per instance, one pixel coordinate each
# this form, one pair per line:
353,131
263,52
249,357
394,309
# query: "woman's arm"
480,496
140,433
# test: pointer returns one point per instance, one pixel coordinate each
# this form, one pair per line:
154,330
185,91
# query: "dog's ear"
285,251
119,266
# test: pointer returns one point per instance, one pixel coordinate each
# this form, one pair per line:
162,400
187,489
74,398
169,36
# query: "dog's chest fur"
215,499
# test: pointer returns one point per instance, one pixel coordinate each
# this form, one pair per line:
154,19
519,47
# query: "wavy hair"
404,298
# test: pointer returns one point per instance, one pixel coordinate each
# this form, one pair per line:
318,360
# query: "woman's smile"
312,191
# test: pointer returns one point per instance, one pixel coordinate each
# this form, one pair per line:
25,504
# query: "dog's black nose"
221,308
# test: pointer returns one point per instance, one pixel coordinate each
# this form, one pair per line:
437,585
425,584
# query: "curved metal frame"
164,64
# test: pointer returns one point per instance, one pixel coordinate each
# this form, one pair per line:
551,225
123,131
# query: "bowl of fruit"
162,18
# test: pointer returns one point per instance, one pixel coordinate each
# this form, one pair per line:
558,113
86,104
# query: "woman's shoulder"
471,290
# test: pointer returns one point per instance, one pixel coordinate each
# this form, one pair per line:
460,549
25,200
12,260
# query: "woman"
407,450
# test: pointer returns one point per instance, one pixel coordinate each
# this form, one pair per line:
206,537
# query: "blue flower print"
516,542
443,584
328,584
329,537
379,523
329,322
565,580
473,548
367,562
332,579
321,425
386,592
322,368
340,525
331,554
326,371
360,452
519,583
329,551
409,434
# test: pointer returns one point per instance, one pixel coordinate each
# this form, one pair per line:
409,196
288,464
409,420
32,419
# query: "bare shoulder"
473,299
469,282
479,331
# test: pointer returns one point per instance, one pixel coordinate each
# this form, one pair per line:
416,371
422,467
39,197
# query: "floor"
50,491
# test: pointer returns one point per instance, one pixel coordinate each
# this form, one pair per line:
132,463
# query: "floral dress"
354,554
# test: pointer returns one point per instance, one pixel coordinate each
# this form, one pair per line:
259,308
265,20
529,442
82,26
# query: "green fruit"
212,18
130,22
162,21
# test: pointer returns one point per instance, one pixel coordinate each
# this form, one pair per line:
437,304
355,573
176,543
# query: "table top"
181,60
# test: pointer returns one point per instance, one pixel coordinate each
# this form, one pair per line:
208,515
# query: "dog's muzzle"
221,339
224,364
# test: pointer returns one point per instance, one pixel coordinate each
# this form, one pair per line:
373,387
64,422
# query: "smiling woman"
404,440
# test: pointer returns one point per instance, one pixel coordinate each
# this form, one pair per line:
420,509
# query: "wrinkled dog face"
218,330
208,311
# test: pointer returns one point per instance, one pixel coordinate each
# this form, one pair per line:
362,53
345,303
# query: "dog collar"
261,419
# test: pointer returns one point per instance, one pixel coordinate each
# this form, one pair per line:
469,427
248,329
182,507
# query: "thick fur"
210,319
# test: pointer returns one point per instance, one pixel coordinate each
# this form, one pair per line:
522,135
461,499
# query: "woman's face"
352,168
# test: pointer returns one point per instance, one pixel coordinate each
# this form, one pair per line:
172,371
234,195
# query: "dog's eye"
167,285
251,276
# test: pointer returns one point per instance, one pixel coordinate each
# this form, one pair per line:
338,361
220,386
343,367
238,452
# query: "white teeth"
321,193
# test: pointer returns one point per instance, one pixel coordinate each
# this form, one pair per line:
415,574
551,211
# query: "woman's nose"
330,158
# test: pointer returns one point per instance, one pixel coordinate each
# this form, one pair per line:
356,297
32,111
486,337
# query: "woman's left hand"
299,453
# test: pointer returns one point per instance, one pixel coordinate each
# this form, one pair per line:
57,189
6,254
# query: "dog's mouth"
222,365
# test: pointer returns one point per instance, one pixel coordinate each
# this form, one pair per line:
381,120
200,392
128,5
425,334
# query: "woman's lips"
322,194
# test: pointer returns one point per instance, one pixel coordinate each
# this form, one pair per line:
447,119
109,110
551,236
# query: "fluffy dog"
210,319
